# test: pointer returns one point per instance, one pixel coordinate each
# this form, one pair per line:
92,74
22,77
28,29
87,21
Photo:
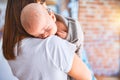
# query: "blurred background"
100,20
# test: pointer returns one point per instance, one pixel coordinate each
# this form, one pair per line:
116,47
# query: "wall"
2,14
100,20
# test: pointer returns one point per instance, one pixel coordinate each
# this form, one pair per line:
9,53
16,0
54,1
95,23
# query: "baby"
42,23
38,22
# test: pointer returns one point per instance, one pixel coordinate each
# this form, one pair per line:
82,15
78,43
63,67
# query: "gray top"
75,32
43,59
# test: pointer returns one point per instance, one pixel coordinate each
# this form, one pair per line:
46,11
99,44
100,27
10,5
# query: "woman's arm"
63,56
79,71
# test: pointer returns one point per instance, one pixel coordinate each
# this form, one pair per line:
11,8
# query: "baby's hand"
62,34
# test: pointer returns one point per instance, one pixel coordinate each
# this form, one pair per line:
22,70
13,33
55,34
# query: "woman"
38,59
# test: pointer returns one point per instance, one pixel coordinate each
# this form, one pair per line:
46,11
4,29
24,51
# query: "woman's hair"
13,30
42,1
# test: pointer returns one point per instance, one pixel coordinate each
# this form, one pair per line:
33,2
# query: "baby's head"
36,21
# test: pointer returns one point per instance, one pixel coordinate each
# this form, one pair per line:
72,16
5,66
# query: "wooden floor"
108,78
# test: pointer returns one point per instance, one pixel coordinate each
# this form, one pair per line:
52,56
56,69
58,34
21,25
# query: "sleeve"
62,53
80,35
75,34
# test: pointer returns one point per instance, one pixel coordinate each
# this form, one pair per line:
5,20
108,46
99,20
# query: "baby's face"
45,28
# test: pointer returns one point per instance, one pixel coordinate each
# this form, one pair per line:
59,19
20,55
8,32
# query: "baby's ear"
53,16
51,13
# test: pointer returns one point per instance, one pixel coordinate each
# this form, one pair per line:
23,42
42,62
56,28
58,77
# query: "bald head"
32,16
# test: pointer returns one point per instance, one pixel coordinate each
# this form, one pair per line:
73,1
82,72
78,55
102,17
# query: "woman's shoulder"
57,41
53,39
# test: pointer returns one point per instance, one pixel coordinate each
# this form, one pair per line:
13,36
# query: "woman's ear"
52,15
